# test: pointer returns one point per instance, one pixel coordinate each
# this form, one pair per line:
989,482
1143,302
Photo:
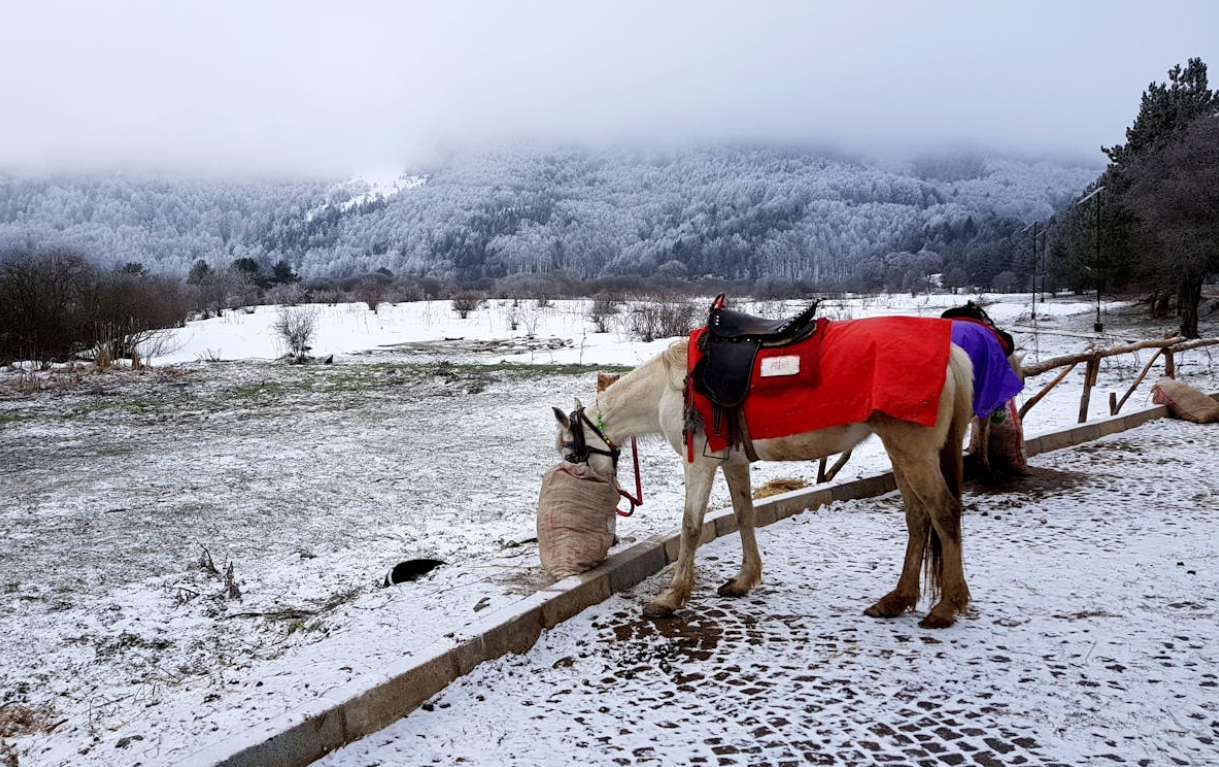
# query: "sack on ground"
1006,446
576,518
1185,401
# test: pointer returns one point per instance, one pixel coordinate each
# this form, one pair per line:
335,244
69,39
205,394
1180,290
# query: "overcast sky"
337,87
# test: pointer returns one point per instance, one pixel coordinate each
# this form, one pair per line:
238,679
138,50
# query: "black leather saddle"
730,347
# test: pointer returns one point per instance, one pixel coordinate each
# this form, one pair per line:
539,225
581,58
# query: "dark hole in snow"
411,569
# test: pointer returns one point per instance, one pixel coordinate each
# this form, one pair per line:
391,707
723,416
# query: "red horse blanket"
843,373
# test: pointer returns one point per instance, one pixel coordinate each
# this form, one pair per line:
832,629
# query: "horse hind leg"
954,592
750,574
918,527
699,478
945,511
944,564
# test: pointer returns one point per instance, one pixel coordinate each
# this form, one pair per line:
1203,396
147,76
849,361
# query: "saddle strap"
743,434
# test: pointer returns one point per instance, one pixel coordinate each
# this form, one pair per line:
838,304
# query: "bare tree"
468,301
296,326
371,291
285,294
650,320
56,305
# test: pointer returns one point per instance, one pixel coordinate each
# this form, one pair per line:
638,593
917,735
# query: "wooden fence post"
1113,408
1090,375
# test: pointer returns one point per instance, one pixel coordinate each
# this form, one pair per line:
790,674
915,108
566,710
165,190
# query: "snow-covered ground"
127,497
1092,641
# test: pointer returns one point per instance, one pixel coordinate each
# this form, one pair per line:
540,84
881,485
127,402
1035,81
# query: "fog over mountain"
796,139
307,88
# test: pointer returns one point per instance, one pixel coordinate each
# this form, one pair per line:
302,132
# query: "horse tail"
952,460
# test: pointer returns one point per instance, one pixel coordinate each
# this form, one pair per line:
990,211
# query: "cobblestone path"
1093,640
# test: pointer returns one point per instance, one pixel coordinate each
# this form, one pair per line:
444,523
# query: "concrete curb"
373,702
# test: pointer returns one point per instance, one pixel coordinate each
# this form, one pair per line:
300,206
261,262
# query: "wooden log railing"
1166,347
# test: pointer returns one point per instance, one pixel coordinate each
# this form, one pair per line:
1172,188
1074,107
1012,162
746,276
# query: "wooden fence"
1167,348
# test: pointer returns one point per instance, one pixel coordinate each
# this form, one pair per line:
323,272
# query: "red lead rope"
637,499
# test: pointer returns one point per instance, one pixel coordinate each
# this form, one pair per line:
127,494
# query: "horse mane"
676,359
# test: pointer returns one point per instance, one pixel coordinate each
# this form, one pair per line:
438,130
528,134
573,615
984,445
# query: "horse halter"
580,449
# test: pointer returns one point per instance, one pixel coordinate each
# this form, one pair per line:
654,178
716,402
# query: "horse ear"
561,417
604,381
1017,362
579,404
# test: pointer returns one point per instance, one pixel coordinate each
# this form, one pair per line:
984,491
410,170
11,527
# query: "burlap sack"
1185,401
1005,448
576,518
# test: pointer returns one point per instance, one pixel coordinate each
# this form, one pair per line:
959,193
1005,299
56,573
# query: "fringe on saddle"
726,421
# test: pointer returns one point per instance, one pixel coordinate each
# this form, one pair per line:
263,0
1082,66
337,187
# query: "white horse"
927,463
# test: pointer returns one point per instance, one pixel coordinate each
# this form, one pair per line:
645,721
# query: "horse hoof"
887,607
730,589
933,621
654,610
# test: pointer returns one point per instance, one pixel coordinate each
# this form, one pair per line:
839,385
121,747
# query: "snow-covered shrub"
661,319
604,308
295,326
467,301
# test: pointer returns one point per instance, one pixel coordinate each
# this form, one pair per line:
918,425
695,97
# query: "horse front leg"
699,477
741,490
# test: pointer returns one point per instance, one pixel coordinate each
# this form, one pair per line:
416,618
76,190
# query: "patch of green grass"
11,419
260,390
538,371
389,375
281,386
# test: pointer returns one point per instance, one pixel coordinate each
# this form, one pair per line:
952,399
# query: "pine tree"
282,274
1133,238
1160,146
199,272
1175,194
1166,110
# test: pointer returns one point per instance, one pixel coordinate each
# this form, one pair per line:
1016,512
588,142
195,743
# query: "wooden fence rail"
1166,347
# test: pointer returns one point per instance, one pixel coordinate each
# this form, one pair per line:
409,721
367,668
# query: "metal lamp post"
1097,326
1034,226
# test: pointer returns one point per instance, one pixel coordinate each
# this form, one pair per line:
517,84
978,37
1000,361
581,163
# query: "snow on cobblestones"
1092,640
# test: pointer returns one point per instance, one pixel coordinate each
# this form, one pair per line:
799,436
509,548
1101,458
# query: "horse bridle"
580,449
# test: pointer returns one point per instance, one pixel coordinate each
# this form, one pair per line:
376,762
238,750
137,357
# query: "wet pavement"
1092,640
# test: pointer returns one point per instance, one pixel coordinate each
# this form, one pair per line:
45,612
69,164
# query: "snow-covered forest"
730,213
